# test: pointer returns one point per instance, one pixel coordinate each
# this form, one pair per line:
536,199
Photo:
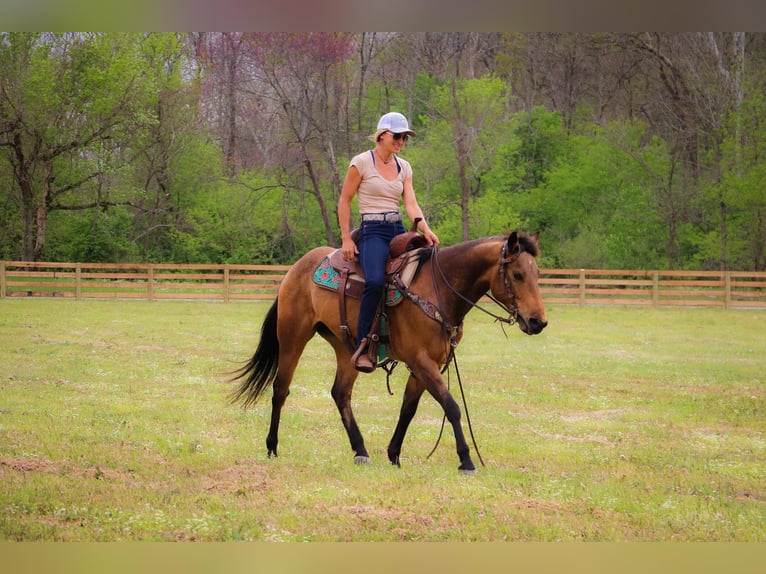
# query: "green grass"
614,424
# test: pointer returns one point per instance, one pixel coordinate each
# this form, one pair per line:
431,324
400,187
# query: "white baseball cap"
394,122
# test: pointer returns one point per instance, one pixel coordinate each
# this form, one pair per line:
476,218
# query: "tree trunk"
317,192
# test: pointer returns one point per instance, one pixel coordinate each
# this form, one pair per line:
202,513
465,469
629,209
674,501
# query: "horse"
423,330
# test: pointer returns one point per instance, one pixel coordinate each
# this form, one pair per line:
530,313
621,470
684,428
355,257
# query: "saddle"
347,277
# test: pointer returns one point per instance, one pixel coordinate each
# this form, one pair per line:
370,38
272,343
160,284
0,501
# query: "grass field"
614,424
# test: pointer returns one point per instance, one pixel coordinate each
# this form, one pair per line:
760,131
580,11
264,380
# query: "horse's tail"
261,369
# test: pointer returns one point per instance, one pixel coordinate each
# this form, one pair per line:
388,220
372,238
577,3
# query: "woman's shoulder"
406,170
362,160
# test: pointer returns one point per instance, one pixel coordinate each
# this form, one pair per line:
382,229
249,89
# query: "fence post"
78,281
150,282
655,288
727,290
226,283
582,286
2,279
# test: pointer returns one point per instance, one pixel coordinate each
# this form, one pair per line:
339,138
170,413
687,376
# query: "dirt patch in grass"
242,477
602,414
576,439
43,465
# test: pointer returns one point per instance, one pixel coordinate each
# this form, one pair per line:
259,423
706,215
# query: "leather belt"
388,217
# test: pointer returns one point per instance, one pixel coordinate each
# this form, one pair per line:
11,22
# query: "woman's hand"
431,237
349,249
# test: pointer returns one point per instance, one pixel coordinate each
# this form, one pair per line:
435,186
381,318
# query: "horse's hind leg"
281,391
345,376
290,350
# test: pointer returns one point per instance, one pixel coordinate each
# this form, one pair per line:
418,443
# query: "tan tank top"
376,193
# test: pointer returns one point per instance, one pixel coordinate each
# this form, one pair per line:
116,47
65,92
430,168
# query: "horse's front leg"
412,393
452,411
435,385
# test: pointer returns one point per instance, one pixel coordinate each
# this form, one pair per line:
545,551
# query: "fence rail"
153,281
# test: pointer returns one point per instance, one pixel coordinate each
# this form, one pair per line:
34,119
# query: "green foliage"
741,197
594,206
538,140
105,152
93,236
225,225
466,125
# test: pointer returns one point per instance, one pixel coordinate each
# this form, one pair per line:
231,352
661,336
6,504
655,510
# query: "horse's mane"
526,245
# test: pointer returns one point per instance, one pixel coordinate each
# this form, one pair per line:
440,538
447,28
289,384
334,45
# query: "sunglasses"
398,137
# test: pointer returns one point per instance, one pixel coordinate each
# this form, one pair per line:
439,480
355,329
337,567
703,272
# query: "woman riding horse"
379,178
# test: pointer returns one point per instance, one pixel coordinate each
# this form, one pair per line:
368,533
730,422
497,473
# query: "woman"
380,178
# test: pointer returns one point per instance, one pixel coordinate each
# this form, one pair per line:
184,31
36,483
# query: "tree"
222,56
743,172
624,148
160,165
695,81
303,74
67,102
467,124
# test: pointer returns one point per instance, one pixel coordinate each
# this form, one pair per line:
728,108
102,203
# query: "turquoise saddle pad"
327,276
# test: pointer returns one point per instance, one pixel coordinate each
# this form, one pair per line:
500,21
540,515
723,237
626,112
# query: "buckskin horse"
423,329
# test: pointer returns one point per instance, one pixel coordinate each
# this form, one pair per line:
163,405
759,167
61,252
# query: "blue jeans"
373,244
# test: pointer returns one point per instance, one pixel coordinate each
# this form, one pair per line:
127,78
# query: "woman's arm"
413,210
350,187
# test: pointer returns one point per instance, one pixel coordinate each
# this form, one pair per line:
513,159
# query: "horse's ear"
535,237
513,243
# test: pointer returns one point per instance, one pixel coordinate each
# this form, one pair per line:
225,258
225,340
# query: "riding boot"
361,358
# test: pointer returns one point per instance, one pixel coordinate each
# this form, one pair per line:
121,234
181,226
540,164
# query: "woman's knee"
374,286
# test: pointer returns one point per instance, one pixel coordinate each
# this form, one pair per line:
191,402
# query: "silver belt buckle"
391,217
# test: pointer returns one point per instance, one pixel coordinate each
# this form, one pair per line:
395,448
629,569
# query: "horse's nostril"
537,324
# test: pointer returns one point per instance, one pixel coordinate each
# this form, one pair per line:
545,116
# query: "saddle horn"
408,240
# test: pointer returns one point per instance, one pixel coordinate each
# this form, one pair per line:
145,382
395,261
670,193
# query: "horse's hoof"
361,459
467,471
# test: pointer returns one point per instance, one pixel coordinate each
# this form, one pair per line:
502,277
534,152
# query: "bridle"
511,308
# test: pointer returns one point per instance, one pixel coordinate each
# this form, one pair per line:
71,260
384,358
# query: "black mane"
527,244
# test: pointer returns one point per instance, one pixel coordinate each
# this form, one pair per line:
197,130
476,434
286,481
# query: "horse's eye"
518,276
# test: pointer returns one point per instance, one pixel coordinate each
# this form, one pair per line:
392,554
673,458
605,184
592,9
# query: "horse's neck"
468,267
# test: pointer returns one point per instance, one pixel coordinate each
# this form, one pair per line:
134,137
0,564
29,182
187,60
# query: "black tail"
261,369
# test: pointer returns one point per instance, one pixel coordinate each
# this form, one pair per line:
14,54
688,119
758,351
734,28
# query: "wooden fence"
151,281
729,289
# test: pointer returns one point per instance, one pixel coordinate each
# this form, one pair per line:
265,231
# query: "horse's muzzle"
532,325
